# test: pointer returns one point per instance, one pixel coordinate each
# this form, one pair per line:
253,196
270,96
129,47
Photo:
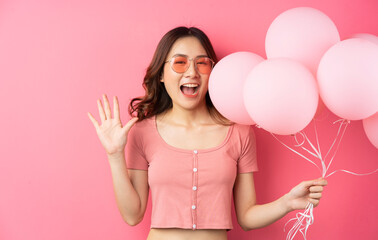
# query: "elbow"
245,228
250,225
246,222
132,221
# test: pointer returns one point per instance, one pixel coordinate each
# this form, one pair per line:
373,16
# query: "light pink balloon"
303,34
226,85
348,79
366,36
370,125
281,96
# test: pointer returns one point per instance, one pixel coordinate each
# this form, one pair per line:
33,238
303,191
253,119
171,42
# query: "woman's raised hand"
112,135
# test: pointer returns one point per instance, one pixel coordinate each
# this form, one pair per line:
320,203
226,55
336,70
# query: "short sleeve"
135,157
248,160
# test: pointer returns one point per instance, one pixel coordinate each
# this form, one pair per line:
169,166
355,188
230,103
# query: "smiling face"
187,90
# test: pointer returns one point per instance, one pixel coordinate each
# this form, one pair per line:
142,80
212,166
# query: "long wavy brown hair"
156,99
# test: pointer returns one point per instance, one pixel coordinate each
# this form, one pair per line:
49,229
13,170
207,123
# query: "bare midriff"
186,234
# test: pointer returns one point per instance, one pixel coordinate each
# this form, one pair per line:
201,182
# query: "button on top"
194,188
195,170
193,206
195,151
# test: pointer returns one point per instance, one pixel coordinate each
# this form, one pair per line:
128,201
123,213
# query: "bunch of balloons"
305,60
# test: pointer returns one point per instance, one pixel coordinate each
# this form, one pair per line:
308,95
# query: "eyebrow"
183,55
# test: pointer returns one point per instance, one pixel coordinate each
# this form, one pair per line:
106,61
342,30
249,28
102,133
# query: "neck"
189,117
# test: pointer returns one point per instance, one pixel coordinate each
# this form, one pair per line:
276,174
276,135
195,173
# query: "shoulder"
140,133
144,125
243,131
243,135
141,129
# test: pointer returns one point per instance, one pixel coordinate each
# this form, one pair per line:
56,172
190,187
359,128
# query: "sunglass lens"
204,65
180,64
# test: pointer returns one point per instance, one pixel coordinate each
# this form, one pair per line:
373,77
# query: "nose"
191,71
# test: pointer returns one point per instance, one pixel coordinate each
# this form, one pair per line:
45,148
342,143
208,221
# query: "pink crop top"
191,189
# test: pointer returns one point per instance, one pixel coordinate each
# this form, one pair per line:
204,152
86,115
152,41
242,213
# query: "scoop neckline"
229,131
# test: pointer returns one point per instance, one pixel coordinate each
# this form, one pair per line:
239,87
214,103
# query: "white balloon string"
305,219
318,156
299,225
312,146
309,219
301,144
317,140
295,151
319,151
343,121
322,160
357,174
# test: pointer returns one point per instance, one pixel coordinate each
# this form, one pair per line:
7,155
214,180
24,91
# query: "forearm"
258,216
128,200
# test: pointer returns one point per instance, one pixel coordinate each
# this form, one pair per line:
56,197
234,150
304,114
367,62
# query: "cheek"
171,83
170,87
205,83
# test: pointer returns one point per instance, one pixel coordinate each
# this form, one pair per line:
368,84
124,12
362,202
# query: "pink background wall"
58,57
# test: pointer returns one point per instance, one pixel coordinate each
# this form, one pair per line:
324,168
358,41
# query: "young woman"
193,159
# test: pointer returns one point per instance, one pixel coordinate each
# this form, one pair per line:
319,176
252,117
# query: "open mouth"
190,89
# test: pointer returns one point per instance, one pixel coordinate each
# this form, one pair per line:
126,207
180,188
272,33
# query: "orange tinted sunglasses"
181,63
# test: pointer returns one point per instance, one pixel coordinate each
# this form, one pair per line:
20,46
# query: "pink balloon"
366,36
348,79
226,85
303,34
370,125
281,95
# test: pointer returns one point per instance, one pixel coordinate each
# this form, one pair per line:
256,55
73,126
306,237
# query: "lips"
190,89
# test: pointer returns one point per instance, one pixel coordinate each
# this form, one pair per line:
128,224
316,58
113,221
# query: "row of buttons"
195,170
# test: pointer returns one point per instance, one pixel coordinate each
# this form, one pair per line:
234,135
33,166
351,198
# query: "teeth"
190,85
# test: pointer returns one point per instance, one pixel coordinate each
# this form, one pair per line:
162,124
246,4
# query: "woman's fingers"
129,124
316,182
108,112
101,111
105,111
321,182
315,202
315,189
95,123
116,108
315,195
